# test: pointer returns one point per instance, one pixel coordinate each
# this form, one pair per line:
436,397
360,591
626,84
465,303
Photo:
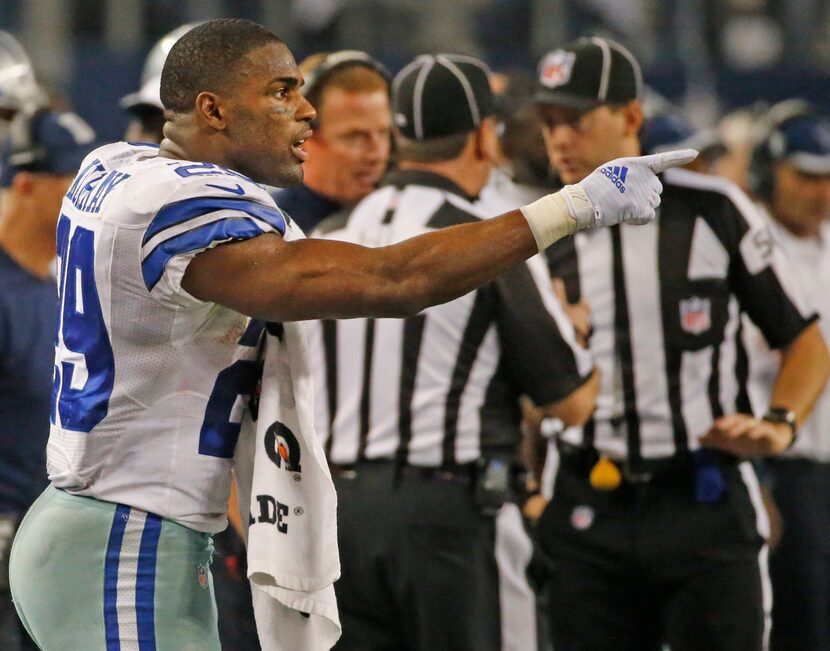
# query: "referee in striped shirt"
655,528
419,416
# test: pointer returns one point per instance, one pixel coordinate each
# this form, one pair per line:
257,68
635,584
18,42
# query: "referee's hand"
623,191
745,436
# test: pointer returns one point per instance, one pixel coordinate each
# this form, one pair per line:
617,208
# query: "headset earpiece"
773,143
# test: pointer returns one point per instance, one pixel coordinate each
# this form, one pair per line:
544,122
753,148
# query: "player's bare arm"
270,278
805,366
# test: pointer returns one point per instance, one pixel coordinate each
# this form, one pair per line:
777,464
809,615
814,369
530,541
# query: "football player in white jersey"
164,253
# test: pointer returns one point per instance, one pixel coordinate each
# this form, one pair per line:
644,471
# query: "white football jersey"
150,382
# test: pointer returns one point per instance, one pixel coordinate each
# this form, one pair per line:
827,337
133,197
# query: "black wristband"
785,416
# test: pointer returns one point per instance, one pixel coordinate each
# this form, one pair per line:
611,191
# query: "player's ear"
24,183
488,147
633,112
211,109
490,142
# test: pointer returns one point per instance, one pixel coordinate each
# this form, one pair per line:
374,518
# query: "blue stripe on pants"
119,523
146,583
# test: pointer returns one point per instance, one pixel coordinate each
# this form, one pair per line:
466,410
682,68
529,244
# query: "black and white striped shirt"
439,388
665,302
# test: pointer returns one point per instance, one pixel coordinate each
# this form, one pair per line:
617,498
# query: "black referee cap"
440,95
587,73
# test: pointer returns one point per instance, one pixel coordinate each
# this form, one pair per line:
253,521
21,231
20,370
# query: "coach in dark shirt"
39,161
655,529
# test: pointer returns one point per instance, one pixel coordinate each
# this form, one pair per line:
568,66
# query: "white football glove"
624,190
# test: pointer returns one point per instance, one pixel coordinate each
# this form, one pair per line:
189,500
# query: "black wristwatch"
786,416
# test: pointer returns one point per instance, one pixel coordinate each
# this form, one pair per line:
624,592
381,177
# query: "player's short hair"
205,57
434,150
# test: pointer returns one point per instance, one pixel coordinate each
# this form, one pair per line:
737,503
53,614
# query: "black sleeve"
761,277
562,263
539,352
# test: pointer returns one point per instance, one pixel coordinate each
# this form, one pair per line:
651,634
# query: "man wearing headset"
790,175
38,162
349,150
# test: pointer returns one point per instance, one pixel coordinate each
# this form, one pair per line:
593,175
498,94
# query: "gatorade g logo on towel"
282,447
617,175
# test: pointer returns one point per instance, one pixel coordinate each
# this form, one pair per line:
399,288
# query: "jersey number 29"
84,364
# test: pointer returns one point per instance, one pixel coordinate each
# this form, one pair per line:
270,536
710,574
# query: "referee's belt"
643,471
464,474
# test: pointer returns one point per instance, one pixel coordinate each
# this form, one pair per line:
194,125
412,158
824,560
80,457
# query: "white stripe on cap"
463,58
465,84
405,72
638,74
417,103
602,93
410,67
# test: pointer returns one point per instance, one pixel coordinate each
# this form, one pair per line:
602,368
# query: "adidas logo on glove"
617,176
593,203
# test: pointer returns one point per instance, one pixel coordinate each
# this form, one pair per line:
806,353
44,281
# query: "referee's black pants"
418,564
800,565
646,565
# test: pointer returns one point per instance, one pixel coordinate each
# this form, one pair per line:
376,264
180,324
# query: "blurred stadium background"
709,56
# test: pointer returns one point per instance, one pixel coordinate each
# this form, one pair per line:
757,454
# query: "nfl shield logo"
201,575
696,315
555,69
582,517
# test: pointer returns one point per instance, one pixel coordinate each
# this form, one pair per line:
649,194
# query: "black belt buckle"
462,475
633,476
343,472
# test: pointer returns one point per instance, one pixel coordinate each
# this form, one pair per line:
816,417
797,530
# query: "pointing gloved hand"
624,190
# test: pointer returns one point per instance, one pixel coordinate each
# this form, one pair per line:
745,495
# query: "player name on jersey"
93,185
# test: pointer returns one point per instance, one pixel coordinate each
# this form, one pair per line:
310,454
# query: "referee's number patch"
756,249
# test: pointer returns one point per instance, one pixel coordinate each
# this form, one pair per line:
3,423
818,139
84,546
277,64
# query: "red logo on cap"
555,69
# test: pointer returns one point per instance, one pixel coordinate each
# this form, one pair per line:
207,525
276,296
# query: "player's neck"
30,247
171,149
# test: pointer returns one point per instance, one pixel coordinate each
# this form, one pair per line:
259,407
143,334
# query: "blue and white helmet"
18,89
150,92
